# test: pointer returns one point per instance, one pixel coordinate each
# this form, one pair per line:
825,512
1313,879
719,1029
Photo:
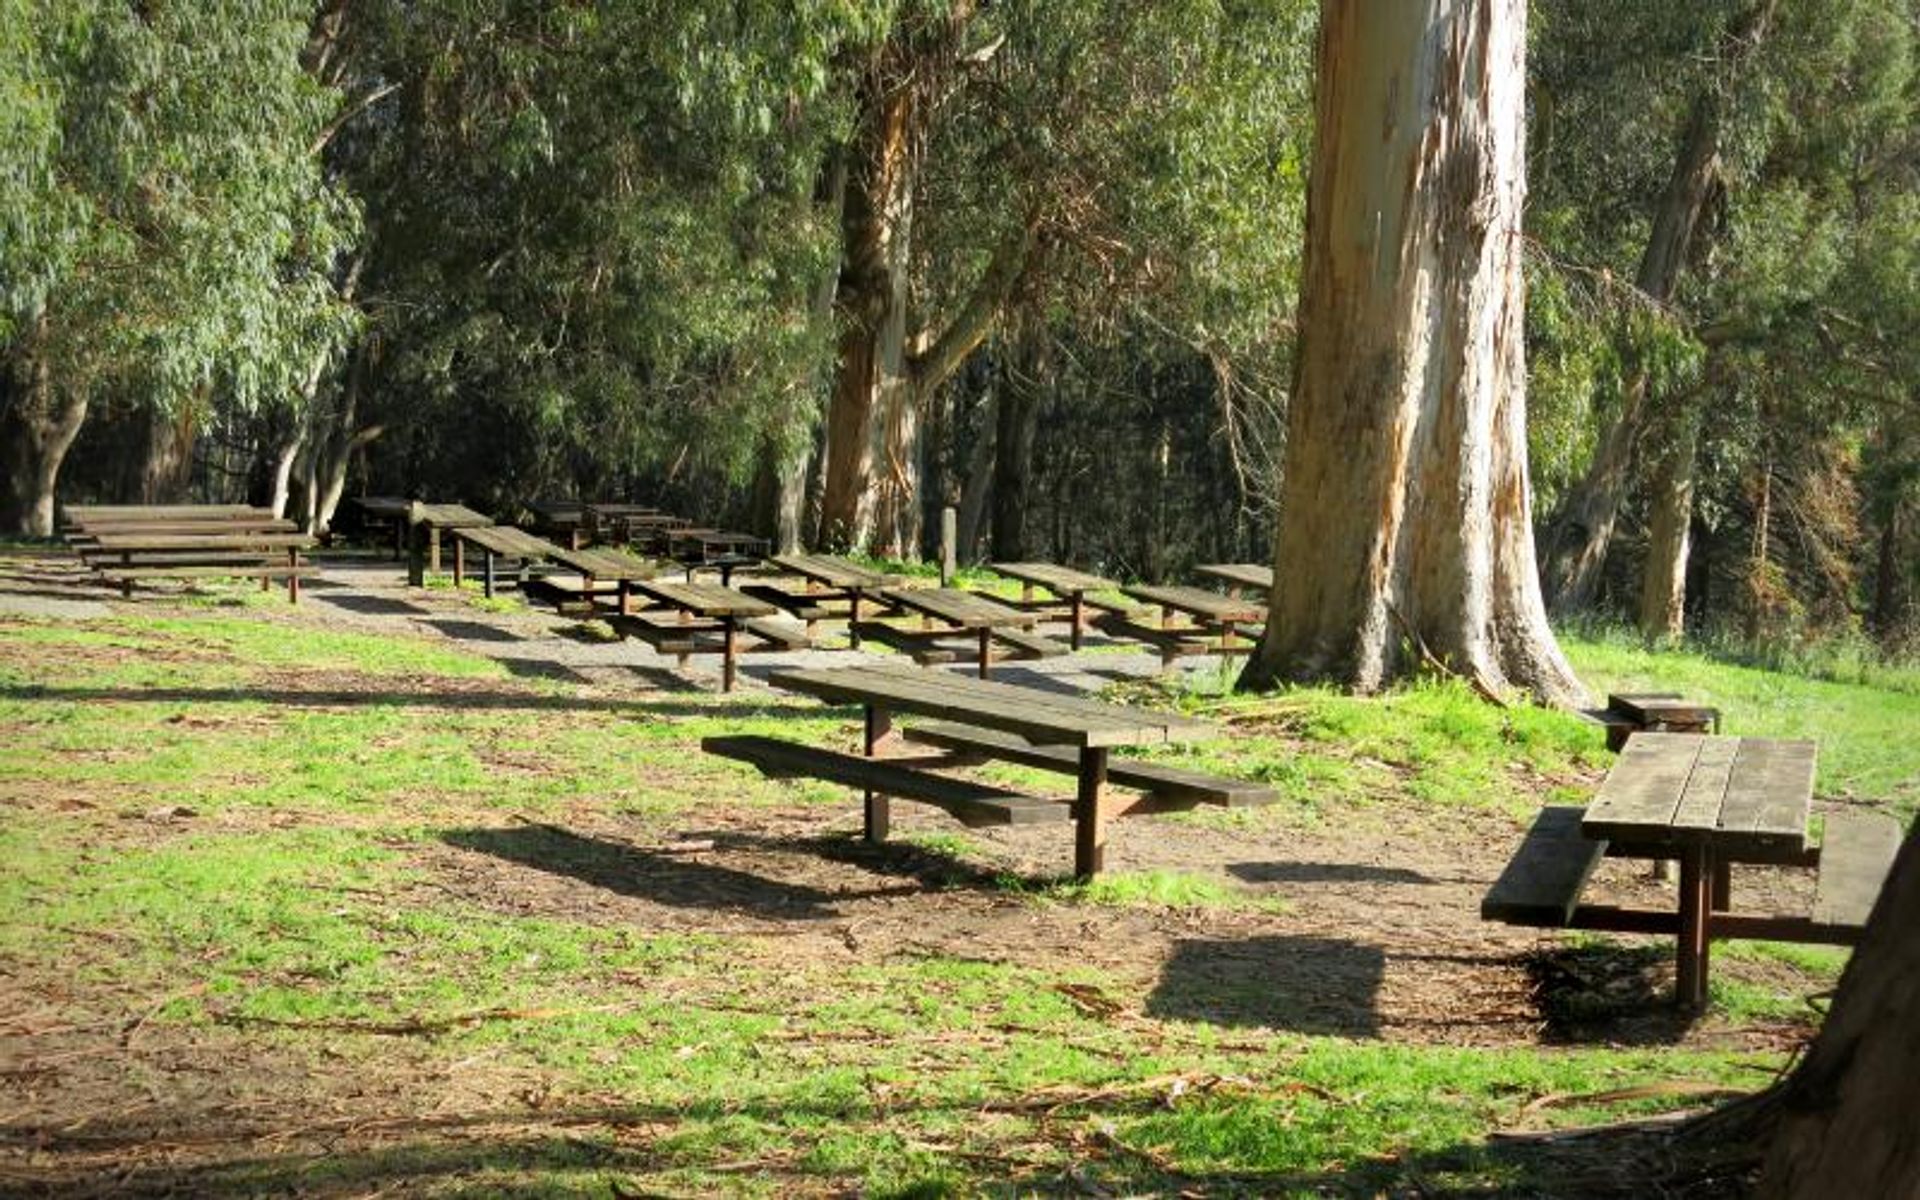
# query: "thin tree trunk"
38,424
283,471
1582,531
1017,422
1759,572
1886,573
1663,584
979,485
1406,509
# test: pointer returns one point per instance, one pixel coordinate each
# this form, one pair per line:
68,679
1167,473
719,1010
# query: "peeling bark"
1663,582
1406,508
38,423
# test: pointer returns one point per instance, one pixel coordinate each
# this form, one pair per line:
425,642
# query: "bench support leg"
986,650
486,574
730,649
459,560
878,813
293,577
1078,618
1089,835
1722,885
433,549
1696,899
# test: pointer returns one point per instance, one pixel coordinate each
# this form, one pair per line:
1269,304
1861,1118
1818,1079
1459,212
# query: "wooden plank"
1770,794
82,512
604,564
450,516
1705,791
960,608
1652,709
1062,581
832,570
1172,642
1199,602
1167,782
779,635
222,571
1637,799
1042,717
1026,644
804,605
116,543
1258,576
972,803
1856,852
1541,884
705,599
923,645
506,540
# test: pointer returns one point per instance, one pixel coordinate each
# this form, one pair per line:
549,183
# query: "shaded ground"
1357,922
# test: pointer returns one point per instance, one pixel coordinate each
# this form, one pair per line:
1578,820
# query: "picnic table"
497,541
426,521
977,720
558,518
716,549
1065,582
595,566
830,577
389,512
1239,576
702,608
960,612
1192,620
125,555
1712,802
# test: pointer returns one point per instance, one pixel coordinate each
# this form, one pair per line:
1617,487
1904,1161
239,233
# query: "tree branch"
936,357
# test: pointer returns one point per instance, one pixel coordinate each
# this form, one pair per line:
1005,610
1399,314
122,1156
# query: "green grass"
302,903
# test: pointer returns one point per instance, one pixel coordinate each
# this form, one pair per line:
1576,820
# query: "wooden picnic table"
1712,802
1038,718
1257,576
1065,582
963,612
497,541
558,518
715,549
124,557
1212,623
722,607
829,576
390,511
594,565
429,520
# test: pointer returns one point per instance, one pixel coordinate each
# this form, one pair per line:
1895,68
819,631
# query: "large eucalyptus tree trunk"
1406,510
1847,1122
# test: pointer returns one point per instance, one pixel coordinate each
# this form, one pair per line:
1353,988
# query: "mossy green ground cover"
230,838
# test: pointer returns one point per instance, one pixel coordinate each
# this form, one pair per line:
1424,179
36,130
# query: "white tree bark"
1405,532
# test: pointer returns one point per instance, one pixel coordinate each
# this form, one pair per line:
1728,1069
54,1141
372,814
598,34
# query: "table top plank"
1770,795
1253,575
832,570
203,541
705,599
604,564
505,539
1705,792
1045,718
1643,789
451,516
1198,602
960,608
1062,581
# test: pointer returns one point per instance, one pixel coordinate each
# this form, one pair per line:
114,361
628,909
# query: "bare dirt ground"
1379,937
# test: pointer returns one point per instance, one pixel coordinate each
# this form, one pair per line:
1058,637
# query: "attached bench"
1856,852
1171,784
972,804
1172,643
1026,645
921,645
1542,883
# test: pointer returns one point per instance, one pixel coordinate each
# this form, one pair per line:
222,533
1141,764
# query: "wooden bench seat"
1541,883
1029,645
804,605
778,635
922,645
1172,643
1856,852
1174,784
972,804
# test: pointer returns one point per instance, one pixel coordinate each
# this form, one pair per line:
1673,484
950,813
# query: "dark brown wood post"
853,618
459,558
1691,958
293,575
486,573
729,631
416,534
1079,617
986,650
878,814
1089,833
1722,886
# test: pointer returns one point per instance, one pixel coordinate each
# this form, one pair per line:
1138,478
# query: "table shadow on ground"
671,880
541,668
374,606
472,631
1607,993
1301,984
1324,872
